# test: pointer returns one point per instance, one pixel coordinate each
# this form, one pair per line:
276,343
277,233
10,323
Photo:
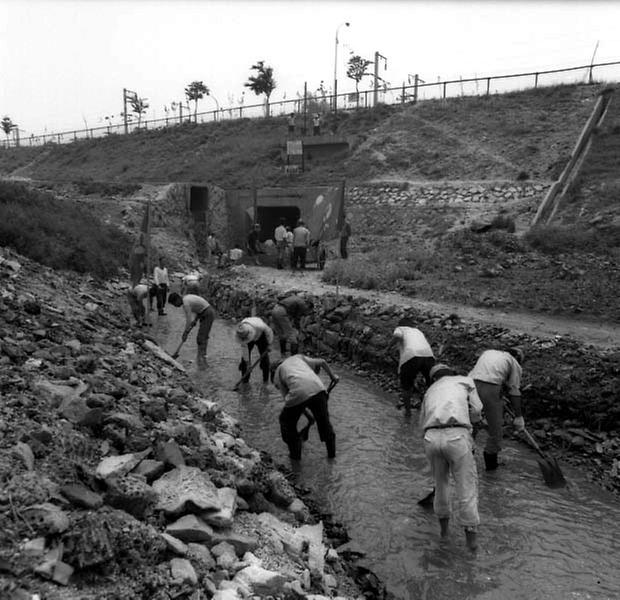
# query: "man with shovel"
415,357
253,331
285,317
137,297
302,389
494,369
197,310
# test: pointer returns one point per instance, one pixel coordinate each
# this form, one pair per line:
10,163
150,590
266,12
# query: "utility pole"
375,98
305,129
128,95
590,78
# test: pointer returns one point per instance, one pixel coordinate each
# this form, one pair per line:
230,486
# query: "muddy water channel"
534,542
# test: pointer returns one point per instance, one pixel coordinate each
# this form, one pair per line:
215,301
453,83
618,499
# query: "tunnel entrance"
269,218
199,201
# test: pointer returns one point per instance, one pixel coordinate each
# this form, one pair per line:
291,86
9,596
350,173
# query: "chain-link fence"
307,104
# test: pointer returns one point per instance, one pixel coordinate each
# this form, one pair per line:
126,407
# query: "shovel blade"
551,472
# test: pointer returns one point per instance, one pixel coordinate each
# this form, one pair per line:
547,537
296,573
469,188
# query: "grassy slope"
463,138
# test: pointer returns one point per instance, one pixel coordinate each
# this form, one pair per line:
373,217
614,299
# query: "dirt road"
598,334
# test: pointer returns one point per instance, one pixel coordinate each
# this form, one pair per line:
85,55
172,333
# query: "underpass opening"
269,218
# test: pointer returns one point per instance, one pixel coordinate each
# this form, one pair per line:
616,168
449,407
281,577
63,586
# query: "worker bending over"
197,310
450,406
253,331
285,317
302,389
495,369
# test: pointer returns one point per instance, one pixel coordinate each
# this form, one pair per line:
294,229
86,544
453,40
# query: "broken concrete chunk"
80,495
186,489
260,581
117,466
47,517
181,570
190,529
175,544
223,518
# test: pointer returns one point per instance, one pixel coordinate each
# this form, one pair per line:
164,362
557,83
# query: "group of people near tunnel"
451,405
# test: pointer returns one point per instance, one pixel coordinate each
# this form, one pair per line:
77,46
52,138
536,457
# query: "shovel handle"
247,374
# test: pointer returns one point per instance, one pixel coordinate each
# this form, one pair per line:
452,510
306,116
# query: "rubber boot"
331,445
243,367
470,539
283,348
490,461
444,526
294,348
294,449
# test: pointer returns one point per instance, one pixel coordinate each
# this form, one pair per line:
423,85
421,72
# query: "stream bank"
569,388
120,479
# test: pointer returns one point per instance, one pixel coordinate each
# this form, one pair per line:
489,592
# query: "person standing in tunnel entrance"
162,283
494,369
415,357
286,316
302,389
301,241
279,236
253,331
450,406
197,310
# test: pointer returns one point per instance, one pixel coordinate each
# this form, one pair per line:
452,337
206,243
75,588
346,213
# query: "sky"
64,63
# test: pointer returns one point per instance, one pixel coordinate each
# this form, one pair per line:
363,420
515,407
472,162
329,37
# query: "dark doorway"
199,202
269,218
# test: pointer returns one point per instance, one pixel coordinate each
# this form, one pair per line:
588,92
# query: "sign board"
294,148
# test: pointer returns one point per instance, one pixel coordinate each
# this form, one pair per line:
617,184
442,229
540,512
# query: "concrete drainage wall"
567,386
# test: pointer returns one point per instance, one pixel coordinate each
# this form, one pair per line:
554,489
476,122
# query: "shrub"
58,233
563,240
103,188
379,269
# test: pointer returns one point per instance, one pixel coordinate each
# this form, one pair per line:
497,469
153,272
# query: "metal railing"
419,91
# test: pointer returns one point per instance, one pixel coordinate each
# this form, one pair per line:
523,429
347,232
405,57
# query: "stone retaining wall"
564,384
386,207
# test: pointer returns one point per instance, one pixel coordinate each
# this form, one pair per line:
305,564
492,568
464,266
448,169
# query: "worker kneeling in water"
449,407
297,379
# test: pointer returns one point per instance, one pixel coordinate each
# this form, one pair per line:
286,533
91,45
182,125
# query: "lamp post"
336,65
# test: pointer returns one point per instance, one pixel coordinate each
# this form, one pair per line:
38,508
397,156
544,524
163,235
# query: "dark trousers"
299,257
161,295
289,416
344,253
206,318
263,345
409,372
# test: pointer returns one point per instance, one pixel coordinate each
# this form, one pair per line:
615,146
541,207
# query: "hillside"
526,134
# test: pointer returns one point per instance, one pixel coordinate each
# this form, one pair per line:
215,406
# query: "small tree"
356,70
139,106
195,91
7,126
263,82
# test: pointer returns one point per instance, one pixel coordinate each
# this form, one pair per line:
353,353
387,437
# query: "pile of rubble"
120,480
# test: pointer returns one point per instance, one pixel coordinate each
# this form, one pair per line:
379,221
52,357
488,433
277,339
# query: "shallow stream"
534,542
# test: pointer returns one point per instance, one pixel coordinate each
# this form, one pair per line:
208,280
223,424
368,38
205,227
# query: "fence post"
415,88
305,127
444,89
402,95
488,85
535,80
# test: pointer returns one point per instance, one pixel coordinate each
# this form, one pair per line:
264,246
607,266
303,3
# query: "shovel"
549,467
303,433
246,377
175,354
